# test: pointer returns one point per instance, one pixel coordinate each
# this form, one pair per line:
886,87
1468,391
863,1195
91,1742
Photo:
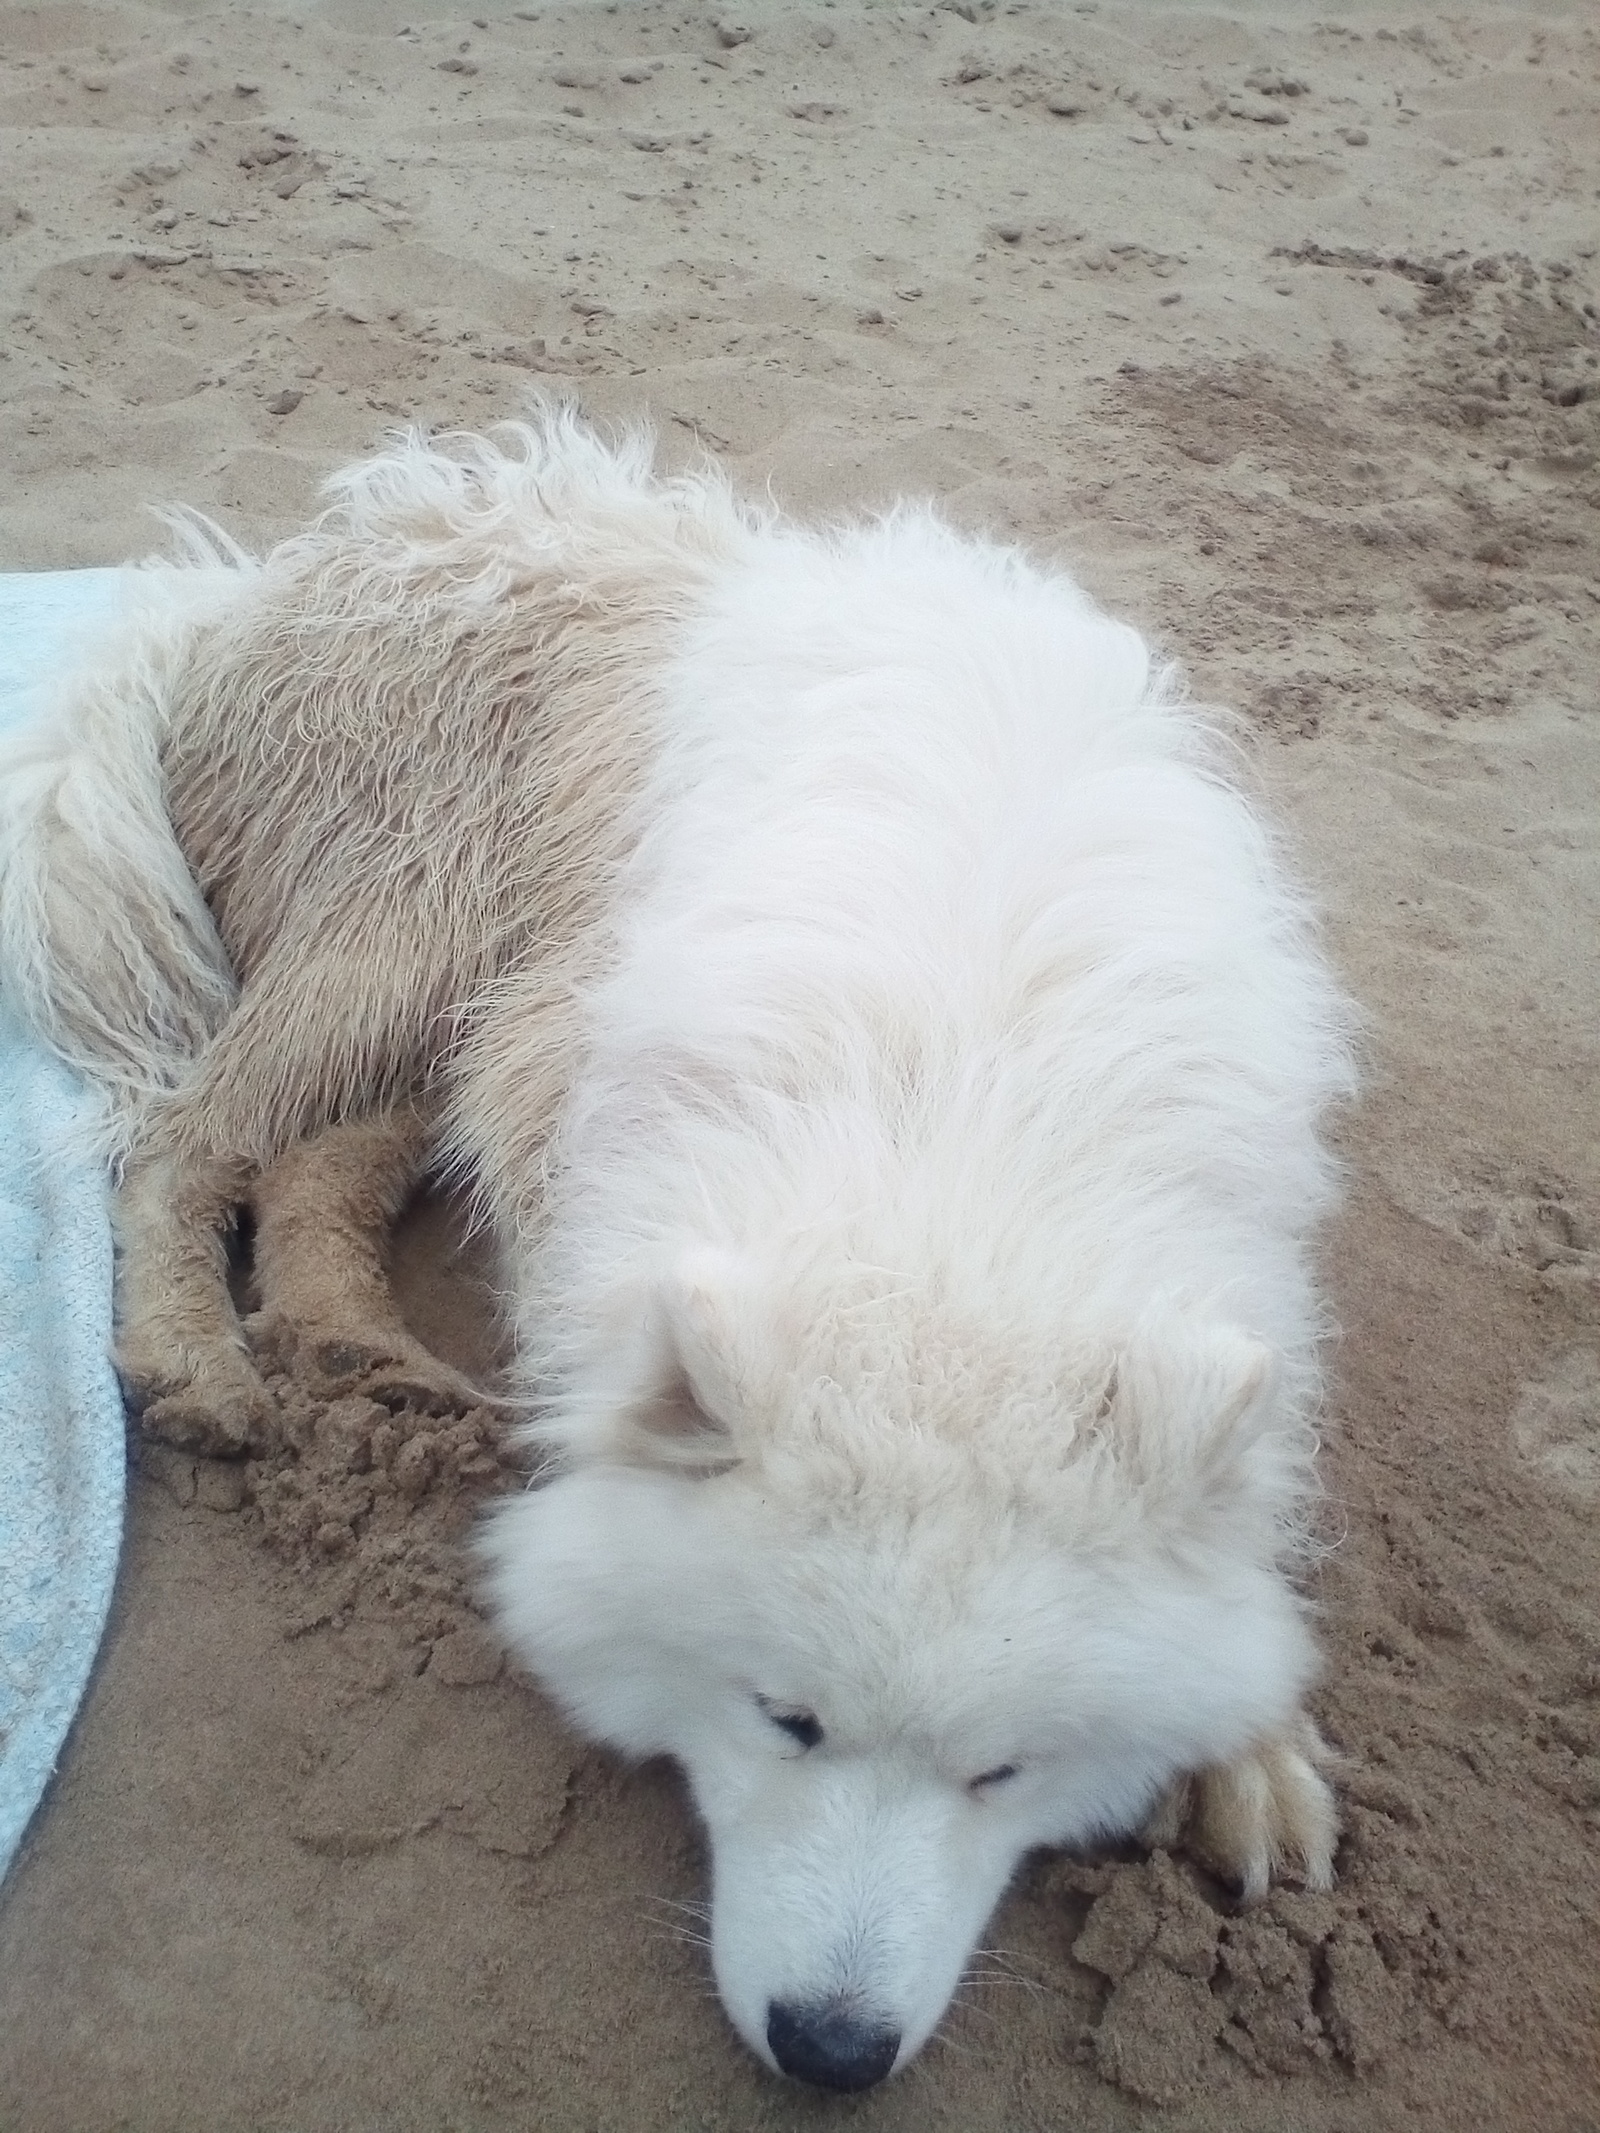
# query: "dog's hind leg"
180,1354
316,1029
324,1213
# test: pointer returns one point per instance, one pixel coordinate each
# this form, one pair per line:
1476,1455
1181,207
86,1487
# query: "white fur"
922,1317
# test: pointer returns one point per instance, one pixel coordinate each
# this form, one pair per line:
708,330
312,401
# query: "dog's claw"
1269,1813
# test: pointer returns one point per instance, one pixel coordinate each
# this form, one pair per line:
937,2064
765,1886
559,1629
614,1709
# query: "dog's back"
952,949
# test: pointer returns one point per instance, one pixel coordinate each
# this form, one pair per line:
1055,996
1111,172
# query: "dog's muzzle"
829,2045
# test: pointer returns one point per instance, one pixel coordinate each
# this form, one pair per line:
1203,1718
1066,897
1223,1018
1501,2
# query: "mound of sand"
1282,332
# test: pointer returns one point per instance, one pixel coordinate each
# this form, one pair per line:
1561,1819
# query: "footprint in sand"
1556,1425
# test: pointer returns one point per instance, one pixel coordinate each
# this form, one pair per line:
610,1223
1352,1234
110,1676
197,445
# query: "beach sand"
1278,326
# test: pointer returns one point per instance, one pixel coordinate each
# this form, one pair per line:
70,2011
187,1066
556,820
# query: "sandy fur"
329,803
394,756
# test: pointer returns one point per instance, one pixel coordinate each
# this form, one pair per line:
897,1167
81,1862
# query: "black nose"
827,2045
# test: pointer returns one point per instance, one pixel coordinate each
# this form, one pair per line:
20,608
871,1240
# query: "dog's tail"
106,946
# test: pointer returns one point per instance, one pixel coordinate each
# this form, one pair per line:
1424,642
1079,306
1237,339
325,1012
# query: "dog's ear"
1191,1418
679,1398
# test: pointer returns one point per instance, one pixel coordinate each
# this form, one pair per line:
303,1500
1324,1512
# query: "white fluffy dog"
885,1043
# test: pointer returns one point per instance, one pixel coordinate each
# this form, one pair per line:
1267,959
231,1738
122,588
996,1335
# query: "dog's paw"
419,1383
386,1365
1270,1813
210,1402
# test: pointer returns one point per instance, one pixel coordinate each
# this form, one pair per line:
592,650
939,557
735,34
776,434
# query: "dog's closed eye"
987,1778
802,1726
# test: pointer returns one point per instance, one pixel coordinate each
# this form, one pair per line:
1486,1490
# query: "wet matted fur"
889,1052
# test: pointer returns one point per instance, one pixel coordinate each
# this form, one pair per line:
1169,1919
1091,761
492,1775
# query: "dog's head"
903,1608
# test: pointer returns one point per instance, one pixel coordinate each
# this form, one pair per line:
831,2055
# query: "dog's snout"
829,2045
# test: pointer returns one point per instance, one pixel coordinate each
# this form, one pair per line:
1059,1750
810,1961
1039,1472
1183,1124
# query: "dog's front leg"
1269,1812
324,1212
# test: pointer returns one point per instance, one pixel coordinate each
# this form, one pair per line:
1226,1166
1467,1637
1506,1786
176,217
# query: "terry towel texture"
62,1456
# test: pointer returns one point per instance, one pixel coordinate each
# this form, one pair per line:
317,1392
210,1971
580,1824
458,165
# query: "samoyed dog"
883,1038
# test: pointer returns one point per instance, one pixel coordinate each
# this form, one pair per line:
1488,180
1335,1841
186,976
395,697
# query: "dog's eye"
802,1726
997,1776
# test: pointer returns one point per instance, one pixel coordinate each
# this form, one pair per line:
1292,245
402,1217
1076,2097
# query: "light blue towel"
62,1457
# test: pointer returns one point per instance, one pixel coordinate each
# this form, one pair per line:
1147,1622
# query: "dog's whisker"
682,1936
689,1908
997,1969
947,2043
679,1936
